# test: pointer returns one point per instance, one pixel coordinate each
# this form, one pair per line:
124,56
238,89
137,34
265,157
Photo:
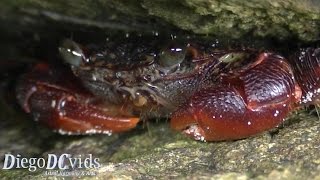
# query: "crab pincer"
244,102
57,99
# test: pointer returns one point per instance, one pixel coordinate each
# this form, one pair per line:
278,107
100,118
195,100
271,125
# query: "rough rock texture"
30,27
230,18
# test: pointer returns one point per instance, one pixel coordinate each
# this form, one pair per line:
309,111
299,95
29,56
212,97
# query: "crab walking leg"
58,100
246,102
306,65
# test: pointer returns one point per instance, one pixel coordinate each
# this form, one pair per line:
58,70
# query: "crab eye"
171,56
71,52
233,57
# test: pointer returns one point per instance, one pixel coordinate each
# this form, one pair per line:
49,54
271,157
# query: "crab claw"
251,101
59,101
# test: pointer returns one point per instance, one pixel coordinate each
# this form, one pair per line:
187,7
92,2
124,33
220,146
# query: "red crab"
209,94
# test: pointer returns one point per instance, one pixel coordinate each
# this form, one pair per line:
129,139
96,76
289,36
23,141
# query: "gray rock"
230,19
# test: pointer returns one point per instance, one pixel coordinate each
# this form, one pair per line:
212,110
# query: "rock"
231,19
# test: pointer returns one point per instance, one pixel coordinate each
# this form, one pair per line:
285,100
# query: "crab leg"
57,99
244,103
306,67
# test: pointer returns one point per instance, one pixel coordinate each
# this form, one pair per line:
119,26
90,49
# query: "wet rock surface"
152,150
232,19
